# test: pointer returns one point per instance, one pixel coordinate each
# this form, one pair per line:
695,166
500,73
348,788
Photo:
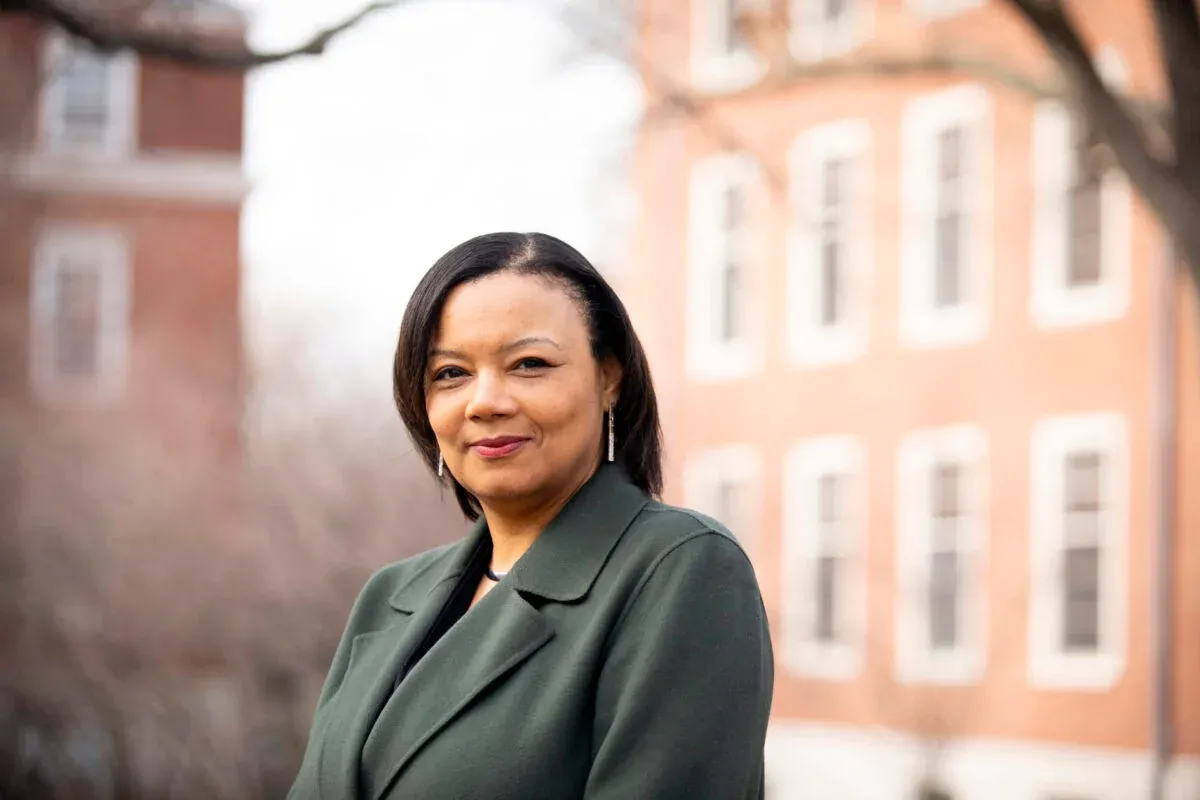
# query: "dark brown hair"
635,413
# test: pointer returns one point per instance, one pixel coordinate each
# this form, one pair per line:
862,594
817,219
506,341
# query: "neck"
514,528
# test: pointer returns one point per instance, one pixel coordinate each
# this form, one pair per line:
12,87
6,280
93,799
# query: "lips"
498,446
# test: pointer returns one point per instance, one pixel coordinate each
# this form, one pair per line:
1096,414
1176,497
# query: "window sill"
1095,672
724,362
961,667
1069,308
930,328
820,347
828,662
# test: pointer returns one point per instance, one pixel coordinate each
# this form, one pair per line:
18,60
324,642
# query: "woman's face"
514,395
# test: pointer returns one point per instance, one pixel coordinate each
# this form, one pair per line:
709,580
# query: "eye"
449,373
531,363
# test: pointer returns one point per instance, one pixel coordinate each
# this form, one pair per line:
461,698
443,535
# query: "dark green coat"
625,657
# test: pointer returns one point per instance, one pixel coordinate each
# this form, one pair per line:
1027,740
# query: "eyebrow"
513,345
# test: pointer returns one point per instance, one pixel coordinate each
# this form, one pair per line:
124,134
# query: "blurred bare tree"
163,30
172,602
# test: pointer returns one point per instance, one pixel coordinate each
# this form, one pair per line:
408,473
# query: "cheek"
440,410
565,418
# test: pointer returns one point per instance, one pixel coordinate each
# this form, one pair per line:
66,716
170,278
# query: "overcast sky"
425,126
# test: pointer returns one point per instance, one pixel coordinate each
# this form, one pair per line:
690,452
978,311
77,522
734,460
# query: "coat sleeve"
304,784
683,698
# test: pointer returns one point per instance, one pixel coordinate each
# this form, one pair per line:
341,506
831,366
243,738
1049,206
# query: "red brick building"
916,358
121,188
122,197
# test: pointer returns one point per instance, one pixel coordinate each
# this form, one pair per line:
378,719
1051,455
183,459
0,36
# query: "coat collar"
445,567
563,562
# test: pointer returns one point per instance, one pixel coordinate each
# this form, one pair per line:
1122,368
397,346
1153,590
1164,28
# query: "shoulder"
678,568
415,573
668,526
422,566
664,537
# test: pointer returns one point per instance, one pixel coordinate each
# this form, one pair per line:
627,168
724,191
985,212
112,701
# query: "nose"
490,397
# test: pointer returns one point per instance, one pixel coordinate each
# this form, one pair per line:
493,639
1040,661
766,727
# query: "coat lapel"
376,658
490,641
565,560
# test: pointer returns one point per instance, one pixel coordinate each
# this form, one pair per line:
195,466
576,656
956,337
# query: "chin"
509,482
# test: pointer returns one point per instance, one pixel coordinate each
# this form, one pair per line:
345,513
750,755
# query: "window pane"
833,198
832,10
77,321
731,301
947,283
948,234
946,485
829,498
831,184
1081,593
735,36
1081,528
950,143
944,600
733,208
725,504
84,79
1084,264
1081,481
933,792
1084,216
826,599
831,288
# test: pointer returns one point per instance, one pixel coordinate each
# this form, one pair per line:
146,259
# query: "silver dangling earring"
441,467
611,437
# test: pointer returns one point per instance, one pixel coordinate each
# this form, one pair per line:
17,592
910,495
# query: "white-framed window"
200,13
946,237
725,483
829,260
89,99
942,503
724,58
940,9
724,332
1079,528
1082,225
823,29
80,313
825,518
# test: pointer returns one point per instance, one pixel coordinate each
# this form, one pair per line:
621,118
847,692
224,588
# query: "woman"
584,640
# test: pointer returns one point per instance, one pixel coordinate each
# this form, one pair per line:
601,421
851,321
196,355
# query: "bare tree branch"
1157,180
933,62
675,101
616,44
108,34
1178,26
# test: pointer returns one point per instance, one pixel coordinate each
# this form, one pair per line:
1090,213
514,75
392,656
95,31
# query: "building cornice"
187,177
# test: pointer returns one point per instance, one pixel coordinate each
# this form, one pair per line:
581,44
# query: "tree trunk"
1170,187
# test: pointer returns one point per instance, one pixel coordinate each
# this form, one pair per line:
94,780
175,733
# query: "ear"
610,380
